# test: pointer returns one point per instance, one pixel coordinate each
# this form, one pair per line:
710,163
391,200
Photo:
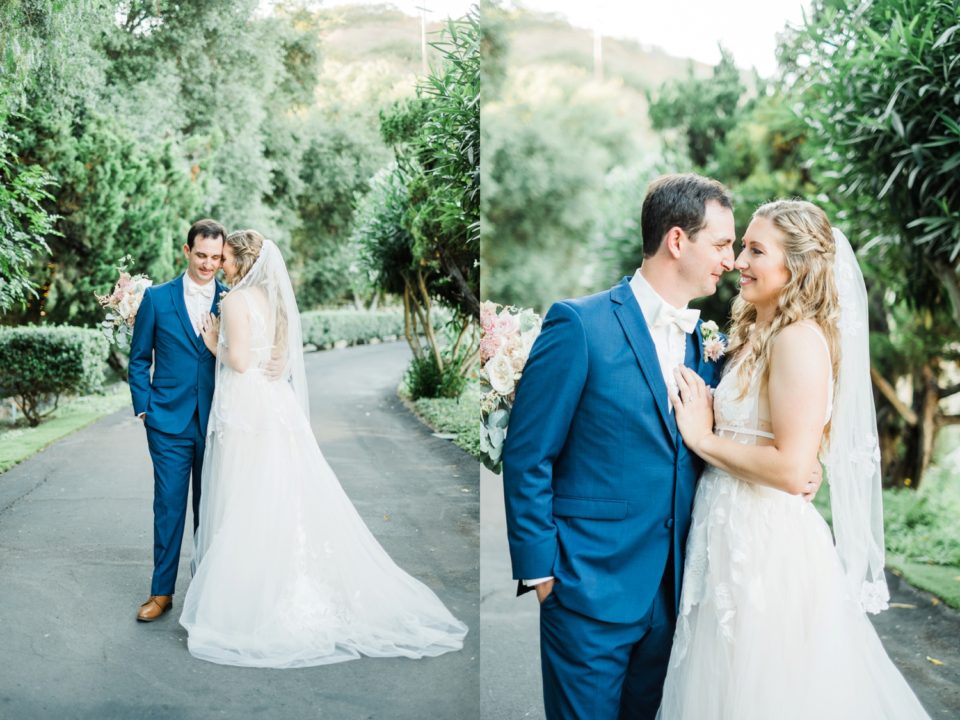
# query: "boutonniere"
220,297
714,344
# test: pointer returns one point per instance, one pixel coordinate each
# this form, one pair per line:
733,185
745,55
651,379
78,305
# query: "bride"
771,620
287,573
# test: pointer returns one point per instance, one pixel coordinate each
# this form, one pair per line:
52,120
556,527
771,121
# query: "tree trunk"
927,404
947,275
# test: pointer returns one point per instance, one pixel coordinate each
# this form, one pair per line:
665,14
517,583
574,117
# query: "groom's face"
204,258
710,254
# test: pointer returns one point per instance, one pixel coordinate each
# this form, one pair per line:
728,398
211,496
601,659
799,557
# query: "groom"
598,484
175,403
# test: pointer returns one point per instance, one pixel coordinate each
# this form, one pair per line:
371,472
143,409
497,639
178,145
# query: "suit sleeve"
141,354
546,399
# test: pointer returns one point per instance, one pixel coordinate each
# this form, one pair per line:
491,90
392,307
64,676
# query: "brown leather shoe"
153,608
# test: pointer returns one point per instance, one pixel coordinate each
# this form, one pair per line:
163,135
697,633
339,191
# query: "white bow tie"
205,291
685,319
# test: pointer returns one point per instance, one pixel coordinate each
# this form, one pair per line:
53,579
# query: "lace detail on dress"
731,518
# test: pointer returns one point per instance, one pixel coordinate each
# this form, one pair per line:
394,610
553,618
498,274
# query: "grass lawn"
456,416
18,442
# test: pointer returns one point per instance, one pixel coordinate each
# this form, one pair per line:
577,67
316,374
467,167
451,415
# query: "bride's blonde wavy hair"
246,246
810,293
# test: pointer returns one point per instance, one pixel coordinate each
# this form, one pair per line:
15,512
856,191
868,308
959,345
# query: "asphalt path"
76,560
918,632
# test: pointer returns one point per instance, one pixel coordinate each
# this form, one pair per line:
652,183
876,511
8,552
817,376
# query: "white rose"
500,373
127,305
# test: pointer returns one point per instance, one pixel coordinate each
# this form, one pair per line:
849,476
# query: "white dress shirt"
668,338
198,299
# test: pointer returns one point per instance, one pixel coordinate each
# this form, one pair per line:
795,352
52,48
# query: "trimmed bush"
326,328
39,363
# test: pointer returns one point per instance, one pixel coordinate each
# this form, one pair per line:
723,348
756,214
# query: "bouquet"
506,336
122,305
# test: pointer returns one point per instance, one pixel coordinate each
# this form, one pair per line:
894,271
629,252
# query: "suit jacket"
184,369
597,481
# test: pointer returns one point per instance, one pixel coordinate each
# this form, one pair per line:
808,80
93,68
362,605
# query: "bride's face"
762,263
229,264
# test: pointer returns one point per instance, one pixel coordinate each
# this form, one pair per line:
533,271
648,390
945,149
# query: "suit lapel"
635,328
176,287
696,363
218,289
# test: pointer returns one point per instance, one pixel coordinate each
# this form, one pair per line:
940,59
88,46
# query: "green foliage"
24,225
921,526
437,142
326,328
457,416
116,197
546,173
425,378
878,86
38,364
326,165
494,48
703,111
881,87
384,243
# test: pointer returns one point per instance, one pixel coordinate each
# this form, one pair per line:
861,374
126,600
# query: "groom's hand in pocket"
544,589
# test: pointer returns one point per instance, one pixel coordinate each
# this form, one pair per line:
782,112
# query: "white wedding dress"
768,627
287,573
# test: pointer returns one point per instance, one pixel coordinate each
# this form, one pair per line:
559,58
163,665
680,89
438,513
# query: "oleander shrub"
326,328
40,363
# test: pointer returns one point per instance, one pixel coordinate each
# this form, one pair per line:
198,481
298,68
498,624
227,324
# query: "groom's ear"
672,241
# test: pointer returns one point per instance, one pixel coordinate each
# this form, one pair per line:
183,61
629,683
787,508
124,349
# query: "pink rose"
488,347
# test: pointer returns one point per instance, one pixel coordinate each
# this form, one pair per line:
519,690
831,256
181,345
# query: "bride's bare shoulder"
795,348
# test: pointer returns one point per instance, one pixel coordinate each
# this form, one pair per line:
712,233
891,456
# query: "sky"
688,28
683,28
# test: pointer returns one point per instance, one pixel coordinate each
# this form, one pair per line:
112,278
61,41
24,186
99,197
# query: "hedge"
39,363
327,328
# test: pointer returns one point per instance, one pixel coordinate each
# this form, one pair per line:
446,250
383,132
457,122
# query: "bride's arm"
235,316
797,386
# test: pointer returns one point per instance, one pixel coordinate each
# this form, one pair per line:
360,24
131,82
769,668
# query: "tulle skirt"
288,575
766,627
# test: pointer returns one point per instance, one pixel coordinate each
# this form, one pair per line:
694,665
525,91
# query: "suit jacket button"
668,523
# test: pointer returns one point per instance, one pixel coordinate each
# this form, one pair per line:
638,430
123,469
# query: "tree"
445,196
24,225
547,165
702,111
420,226
879,84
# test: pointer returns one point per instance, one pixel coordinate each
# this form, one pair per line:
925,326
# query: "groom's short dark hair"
206,228
678,201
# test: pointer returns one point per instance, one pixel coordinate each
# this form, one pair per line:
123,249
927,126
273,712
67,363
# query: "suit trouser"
175,459
595,670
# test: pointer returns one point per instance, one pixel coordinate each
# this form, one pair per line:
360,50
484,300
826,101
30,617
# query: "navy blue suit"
599,491
176,401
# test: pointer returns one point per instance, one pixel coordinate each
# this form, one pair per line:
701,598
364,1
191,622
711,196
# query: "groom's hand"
813,485
273,368
544,589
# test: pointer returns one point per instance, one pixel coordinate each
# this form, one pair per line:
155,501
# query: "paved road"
75,562
510,651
